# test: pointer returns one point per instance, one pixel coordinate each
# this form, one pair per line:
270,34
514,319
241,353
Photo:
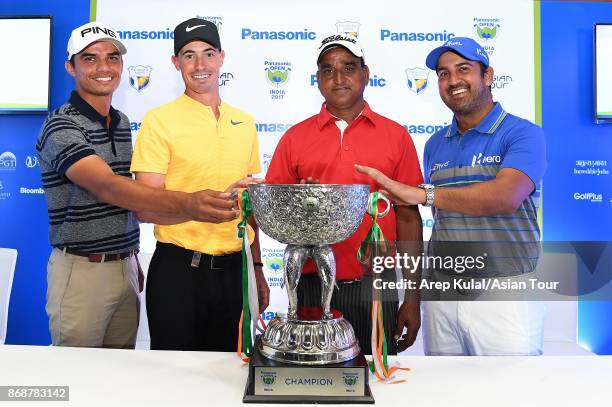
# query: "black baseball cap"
196,29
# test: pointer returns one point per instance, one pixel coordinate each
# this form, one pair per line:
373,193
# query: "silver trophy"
308,218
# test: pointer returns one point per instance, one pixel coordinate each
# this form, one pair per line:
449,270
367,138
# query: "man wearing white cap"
85,148
324,148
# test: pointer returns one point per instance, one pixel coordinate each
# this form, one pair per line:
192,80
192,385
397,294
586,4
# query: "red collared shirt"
314,148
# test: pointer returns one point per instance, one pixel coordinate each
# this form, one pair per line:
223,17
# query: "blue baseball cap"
464,46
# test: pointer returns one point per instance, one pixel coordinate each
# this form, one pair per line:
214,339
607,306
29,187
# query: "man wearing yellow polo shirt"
194,284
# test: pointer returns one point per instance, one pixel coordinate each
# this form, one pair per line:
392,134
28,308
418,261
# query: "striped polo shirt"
500,140
78,219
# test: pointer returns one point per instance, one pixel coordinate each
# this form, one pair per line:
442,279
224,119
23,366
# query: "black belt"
99,257
199,259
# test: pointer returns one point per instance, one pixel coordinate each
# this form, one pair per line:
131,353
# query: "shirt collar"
324,116
488,125
88,111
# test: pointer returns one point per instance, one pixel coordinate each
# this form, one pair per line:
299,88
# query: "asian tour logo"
277,75
225,78
348,27
268,378
486,28
417,79
8,161
140,77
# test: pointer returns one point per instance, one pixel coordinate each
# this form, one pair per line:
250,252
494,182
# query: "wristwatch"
429,193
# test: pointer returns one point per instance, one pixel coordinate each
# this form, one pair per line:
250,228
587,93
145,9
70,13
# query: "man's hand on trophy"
309,180
409,317
243,183
263,291
210,206
399,193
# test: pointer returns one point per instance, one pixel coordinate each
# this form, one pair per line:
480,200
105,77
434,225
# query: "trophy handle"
384,198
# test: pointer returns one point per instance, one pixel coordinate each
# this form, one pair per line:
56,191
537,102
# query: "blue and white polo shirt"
500,140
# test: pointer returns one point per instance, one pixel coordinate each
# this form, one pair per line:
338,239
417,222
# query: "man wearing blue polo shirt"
481,173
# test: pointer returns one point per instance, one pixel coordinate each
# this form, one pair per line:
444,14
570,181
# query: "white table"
107,377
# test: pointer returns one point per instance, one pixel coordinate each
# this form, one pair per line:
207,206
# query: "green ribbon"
246,211
375,238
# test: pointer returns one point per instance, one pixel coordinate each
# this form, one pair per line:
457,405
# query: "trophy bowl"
309,214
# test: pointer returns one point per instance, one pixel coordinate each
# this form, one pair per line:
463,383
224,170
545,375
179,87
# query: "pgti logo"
417,79
140,77
8,161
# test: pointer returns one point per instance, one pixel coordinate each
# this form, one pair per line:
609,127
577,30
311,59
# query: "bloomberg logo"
374,82
588,196
443,36
304,35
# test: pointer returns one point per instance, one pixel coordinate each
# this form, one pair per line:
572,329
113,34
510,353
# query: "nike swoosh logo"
235,123
188,29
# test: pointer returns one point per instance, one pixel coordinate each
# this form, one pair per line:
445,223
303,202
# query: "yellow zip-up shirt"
184,140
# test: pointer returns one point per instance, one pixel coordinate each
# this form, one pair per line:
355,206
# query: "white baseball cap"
340,40
89,33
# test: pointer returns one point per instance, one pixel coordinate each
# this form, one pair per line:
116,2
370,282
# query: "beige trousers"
92,304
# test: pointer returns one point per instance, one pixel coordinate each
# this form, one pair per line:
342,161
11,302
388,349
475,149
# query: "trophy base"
309,340
271,381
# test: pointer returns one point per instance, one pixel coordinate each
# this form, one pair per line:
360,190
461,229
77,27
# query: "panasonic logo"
166,34
373,82
272,127
588,196
304,35
412,37
424,128
486,159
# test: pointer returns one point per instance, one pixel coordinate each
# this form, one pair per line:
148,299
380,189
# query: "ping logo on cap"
98,30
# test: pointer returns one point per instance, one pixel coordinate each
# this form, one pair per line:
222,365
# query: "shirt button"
346,148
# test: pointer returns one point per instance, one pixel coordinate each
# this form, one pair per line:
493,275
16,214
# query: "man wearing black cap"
197,141
324,148
482,172
85,148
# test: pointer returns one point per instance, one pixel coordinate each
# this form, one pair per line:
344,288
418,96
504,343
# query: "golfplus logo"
588,196
348,28
487,30
140,76
277,75
303,35
481,159
417,79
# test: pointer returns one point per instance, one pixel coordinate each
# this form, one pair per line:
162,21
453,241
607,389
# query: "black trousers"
193,308
354,300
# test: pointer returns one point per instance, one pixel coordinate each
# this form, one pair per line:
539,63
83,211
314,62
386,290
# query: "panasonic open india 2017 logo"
140,76
277,75
417,79
486,28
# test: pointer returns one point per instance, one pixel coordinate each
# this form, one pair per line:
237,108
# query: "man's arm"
409,227
501,195
263,291
157,181
94,175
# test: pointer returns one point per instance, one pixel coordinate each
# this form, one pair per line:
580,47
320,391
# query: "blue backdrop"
574,143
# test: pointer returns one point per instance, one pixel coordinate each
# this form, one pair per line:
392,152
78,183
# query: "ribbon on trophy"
250,303
372,246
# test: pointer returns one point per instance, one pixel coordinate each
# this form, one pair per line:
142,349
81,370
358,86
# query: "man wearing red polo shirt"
324,148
